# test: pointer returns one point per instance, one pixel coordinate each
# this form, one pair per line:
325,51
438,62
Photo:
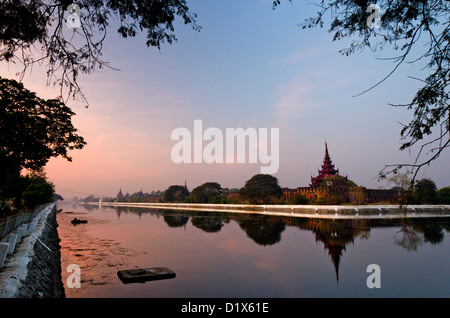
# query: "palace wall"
355,195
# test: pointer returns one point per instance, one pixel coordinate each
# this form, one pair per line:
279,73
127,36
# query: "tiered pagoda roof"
326,170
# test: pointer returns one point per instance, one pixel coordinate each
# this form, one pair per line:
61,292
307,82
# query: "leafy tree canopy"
299,199
337,181
401,181
260,188
32,130
443,195
38,190
206,192
425,191
176,193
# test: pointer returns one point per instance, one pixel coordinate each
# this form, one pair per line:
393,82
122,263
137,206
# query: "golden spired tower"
326,170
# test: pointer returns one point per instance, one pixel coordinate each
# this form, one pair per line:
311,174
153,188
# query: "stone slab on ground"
145,274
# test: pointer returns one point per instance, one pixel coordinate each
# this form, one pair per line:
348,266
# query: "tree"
176,193
38,190
402,24
9,178
260,188
36,32
425,191
334,189
138,197
401,181
337,181
404,185
299,199
443,195
206,192
357,195
32,130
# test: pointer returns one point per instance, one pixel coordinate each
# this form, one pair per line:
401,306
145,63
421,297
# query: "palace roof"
326,170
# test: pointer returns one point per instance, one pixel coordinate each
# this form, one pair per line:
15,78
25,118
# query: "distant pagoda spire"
326,170
120,195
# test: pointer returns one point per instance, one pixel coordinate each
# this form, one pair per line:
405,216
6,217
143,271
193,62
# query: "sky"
249,66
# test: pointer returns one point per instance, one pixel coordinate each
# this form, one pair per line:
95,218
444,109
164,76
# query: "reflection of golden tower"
335,235
334,250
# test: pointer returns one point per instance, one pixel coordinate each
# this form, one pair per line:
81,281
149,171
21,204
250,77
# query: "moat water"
252,256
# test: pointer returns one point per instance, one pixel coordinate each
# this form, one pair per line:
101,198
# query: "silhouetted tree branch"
403,24
35,32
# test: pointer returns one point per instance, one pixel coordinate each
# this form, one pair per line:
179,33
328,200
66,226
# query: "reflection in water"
407,237
209,224
433,232
90,253
176,220
414,234
335,235
263,231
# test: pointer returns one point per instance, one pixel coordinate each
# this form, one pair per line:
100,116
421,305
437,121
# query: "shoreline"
34,269
314,211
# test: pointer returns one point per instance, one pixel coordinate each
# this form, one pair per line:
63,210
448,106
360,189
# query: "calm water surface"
238,255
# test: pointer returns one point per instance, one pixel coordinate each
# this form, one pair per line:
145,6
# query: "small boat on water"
145,274
78,221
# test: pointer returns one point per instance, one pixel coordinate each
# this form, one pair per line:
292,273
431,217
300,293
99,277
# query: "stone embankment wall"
33,268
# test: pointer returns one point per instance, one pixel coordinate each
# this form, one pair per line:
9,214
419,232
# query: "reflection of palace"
329,182
335,235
